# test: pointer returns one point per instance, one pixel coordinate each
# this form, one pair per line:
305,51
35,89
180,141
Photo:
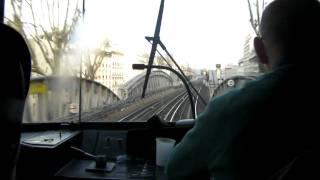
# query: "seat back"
15,73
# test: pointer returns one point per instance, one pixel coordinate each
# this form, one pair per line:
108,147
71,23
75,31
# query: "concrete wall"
52,98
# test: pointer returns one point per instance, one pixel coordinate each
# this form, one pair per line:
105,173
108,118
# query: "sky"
201,33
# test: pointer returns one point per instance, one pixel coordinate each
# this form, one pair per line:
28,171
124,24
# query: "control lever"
156,122
101,164
185,123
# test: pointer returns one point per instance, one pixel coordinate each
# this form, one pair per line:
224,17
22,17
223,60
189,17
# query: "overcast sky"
199,32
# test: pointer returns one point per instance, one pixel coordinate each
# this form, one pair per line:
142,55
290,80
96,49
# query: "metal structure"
158,80
51,98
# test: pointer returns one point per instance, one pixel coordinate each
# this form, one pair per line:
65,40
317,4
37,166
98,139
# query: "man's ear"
261,51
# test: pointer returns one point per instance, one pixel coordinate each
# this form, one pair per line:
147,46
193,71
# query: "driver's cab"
89,113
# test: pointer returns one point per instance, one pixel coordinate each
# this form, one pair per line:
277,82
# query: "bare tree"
186,69
255,10
47,26
161,61
94,57
144,59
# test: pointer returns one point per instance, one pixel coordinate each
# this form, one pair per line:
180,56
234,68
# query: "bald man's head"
290,29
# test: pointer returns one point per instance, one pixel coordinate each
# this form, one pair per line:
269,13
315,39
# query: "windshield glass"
83,51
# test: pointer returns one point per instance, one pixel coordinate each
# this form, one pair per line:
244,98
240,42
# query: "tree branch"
58,13
47,38
49,15
66,17
44,52
38,70
19,26
258,13
75,19
252,19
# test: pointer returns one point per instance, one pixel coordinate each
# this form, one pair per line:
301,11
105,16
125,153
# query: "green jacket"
248,133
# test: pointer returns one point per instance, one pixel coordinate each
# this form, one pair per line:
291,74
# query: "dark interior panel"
132,149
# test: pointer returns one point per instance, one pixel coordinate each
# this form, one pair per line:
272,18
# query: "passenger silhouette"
260,130
15,78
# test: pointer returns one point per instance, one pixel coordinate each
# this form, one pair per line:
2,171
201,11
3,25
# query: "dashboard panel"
49,154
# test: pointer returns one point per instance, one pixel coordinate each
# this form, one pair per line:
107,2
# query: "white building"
249,64
112,71
231,70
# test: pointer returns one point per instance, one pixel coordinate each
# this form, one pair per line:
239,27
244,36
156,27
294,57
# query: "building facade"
112,71
249,64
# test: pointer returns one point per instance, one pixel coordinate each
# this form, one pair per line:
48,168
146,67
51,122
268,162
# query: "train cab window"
71,41
85,88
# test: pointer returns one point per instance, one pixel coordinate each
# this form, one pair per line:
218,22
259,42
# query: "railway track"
169,107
